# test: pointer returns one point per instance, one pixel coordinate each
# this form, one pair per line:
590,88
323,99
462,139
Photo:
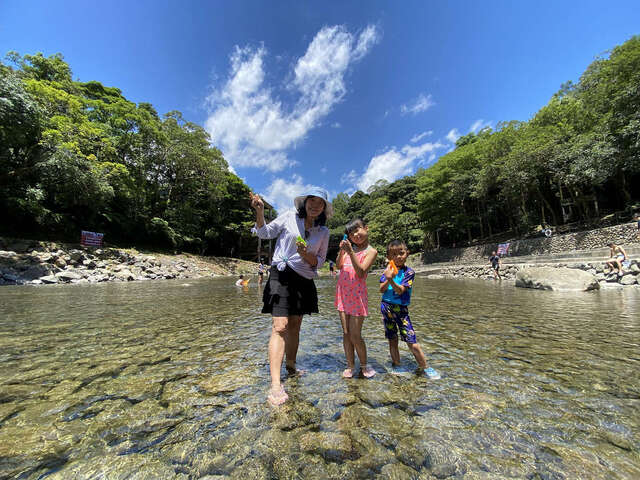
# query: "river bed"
168,379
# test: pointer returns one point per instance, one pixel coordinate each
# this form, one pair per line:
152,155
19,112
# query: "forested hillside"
575,161
79,155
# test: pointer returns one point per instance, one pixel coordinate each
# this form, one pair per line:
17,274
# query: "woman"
290,292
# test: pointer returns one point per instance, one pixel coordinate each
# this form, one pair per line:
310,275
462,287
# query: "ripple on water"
168,380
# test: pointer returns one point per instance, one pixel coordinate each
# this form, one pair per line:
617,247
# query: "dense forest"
575,162
78,155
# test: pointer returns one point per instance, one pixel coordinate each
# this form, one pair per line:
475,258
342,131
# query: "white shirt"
286,228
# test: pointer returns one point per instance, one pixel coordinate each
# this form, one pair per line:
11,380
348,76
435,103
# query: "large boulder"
561,279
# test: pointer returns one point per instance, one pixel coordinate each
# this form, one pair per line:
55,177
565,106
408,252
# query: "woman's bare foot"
347,373
277,396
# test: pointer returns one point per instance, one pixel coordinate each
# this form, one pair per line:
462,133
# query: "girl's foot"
347,373
368,371
277,396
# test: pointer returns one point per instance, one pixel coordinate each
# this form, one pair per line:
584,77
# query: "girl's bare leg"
355,337
346,340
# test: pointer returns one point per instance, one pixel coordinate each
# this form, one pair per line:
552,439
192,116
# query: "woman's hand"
346,246
256,203
302,249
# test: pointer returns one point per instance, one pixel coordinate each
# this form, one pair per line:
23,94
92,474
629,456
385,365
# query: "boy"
396,295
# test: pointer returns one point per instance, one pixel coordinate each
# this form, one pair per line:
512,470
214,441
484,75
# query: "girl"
290,292
351,293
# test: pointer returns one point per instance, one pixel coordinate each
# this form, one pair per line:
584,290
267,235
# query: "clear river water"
168,379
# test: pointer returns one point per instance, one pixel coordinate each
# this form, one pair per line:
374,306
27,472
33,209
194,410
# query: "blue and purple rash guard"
405,278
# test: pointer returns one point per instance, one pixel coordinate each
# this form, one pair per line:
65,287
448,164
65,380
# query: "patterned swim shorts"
396,318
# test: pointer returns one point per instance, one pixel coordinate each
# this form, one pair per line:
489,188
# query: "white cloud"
336,125
281,192
420,136
420,104
479,125
453,135
251,125
393,164
349,178
323,170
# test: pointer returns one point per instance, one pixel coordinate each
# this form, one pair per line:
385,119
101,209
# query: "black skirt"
288,293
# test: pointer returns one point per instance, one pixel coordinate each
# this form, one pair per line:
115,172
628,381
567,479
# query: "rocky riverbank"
606,278
24,262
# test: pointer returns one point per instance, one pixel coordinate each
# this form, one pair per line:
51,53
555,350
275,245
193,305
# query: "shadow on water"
168,380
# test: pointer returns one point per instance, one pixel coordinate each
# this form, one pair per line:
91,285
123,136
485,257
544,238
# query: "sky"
334,94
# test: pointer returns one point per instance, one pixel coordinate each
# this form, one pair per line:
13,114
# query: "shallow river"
168,380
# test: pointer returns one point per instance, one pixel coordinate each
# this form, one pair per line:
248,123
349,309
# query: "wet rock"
397,471
413,454
628,280
35,272
68,275
443,470
124,274
118,467
560,279
334,447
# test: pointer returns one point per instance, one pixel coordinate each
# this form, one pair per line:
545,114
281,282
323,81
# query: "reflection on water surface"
168,380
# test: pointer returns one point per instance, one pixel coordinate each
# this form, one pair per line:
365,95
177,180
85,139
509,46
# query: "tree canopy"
79,155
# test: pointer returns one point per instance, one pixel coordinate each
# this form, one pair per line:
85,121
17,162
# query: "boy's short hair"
393,244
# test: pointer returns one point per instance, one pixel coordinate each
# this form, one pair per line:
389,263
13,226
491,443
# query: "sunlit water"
168,380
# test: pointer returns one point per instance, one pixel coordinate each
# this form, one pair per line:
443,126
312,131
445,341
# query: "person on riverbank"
495,262
290,292
332,270
396,296
618,255
351,293
636,218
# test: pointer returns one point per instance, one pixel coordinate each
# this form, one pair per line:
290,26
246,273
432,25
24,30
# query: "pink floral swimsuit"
351,290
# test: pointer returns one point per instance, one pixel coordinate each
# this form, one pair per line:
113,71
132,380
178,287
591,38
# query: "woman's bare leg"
292,340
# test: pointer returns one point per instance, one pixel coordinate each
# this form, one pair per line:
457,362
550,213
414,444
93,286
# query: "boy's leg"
346,340
292,340
394,351
421,360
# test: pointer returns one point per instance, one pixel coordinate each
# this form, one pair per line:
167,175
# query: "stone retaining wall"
630,274
587,240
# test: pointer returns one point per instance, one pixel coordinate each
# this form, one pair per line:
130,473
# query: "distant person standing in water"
495,262
261,269
637,219
290,293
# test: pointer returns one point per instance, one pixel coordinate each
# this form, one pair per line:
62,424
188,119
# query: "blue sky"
329,94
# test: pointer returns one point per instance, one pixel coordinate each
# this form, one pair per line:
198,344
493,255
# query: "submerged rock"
559,279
